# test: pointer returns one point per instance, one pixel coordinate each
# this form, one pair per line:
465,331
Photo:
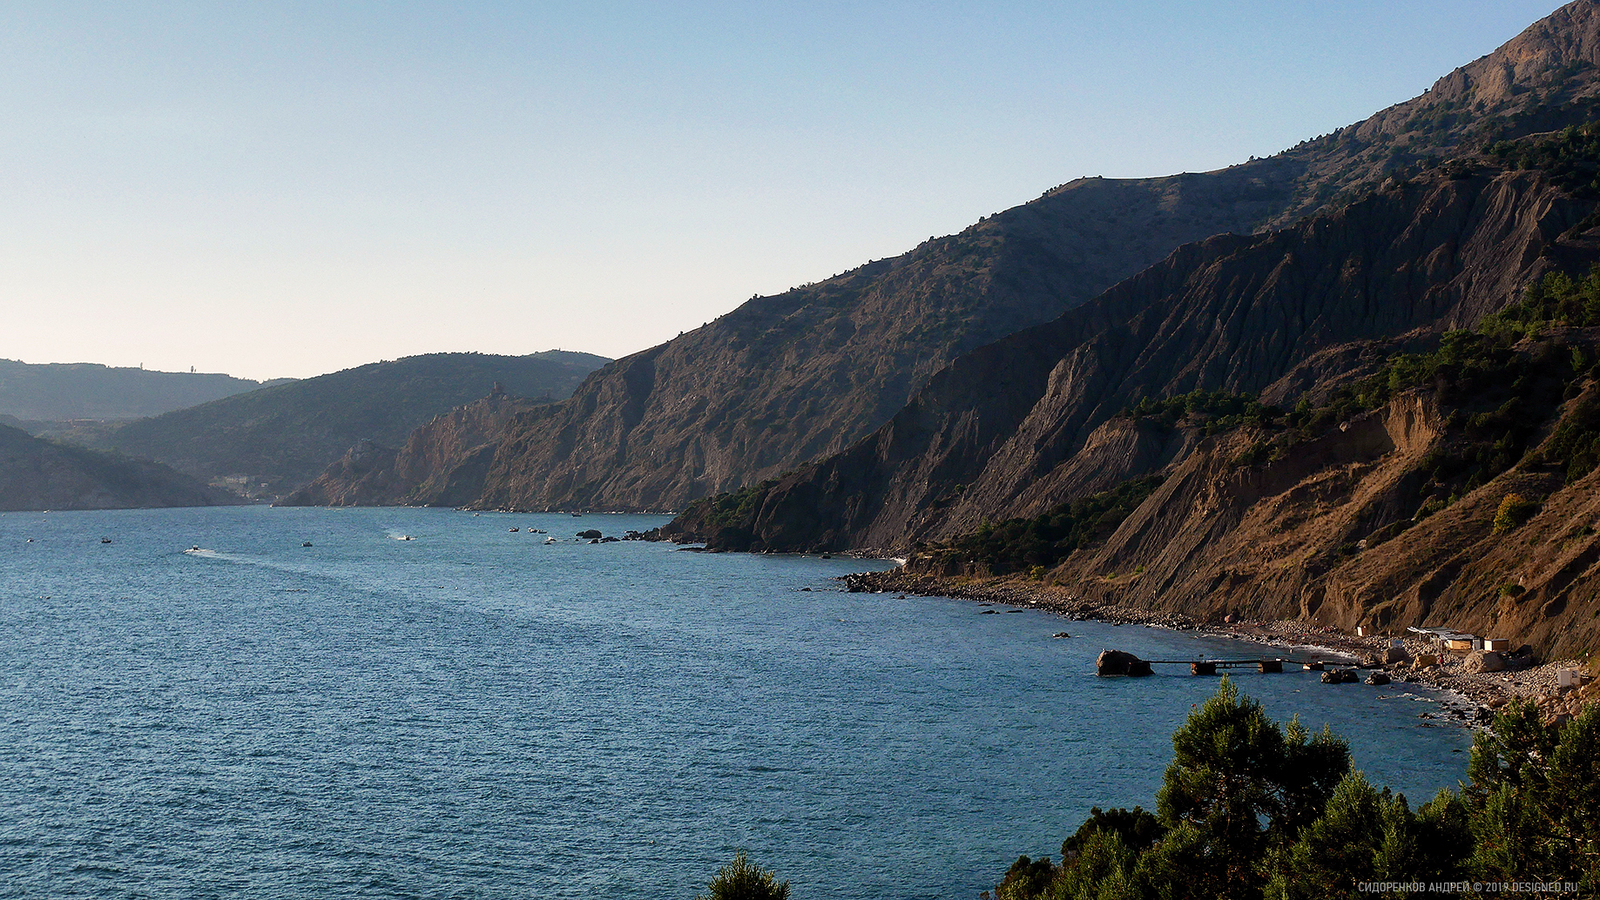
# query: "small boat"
549,540
105,540
512,530
306,544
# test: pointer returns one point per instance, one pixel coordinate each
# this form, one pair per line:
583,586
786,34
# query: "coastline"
1469,696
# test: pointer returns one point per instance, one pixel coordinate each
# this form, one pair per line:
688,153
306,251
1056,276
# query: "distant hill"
40,474
57,392
272,440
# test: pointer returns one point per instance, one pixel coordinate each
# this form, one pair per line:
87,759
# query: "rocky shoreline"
1469,695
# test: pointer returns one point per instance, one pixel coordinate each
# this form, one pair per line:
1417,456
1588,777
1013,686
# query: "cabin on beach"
1461,642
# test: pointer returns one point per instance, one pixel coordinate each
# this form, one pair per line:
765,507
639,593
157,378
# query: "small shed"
1461,643
1498,645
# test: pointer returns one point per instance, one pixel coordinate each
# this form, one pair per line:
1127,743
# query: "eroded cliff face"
999,433
1331,534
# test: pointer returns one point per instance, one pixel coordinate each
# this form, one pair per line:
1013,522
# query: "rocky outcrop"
364,476
39,474
1328,535
1014,428
443,463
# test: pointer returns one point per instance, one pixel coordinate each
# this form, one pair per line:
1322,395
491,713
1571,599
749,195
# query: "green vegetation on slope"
1211,411
1500,389
1249,809
1043,541
728,510
1571,158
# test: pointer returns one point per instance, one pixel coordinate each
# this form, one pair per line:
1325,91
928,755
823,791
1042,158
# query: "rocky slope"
38,474
1332,534
1025,424
786,379
276,439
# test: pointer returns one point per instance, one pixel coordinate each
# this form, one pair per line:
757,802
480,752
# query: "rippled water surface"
474,713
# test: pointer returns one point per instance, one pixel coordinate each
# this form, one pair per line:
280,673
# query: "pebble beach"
1468,694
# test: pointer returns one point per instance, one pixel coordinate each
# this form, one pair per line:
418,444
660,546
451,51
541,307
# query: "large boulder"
1484,661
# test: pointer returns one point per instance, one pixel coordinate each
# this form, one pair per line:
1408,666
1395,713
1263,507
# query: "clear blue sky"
288,188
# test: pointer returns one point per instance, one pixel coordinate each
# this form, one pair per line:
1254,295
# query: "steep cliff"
782,380
39,474
1000,432
1354,528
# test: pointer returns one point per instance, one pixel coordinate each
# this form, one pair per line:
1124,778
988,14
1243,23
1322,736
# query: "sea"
324,703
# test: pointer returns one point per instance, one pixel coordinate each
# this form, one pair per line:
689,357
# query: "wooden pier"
1116,662
1210,666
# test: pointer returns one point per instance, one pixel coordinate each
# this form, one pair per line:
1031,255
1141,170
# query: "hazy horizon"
295,190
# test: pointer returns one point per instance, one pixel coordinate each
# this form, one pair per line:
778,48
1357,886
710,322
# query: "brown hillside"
998,434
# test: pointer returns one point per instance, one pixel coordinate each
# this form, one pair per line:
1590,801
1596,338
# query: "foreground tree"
744,880
1238,788
1535,797
1249,810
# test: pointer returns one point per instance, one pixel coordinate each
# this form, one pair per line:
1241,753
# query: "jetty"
1116,662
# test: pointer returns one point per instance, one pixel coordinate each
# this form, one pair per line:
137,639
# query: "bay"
472,712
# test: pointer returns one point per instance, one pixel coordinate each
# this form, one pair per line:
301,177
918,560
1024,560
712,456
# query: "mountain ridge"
783,380
59,392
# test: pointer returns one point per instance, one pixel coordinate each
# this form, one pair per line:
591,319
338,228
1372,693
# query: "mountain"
1438,467
57,392
782,380
38,474
1030,421
273,440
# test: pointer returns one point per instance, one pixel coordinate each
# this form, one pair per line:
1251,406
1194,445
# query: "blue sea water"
474,713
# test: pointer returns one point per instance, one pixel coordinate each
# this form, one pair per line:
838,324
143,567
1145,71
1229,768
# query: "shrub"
1514,510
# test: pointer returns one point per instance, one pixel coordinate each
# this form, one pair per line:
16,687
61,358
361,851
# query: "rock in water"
1116,662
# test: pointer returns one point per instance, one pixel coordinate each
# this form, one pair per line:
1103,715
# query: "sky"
287,189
